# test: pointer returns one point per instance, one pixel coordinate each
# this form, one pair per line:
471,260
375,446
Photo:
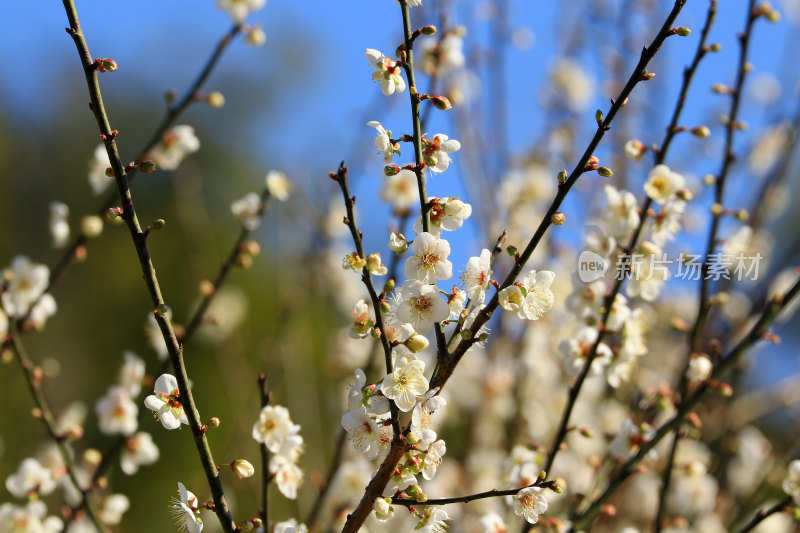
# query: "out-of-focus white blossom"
248,210
98,180
117,412
175,144
31,476
28,281
240,9
662,184
278,185
139,450
59,225
401,190
572,84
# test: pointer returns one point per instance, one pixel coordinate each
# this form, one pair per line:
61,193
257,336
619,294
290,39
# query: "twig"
265,476
494,493
757,332
140,243
341,178
33,378
763,514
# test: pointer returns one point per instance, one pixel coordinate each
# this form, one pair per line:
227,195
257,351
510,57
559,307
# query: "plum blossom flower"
185,511
139,450
278,185
288,476
30,476
421,415
700,368
433,458
240,9
529,504
166,402
621,215
421,306
577,349
98,180
628,439
648,273
114,506
289,526
29,518
59,226
791,483
383,141
445,214
362,431
398,243
436,152
132,373
429,261
433,521
405,383
400,190
28,281
243,468
662,184
176,143
491,522
634,149
531,297
361,320
386,72
248,210
116,412
572,84
476,277
273,427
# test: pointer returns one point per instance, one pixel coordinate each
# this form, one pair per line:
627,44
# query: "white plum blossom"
175,144
576,350
662,184
598,242
31,476
525,465
531,297
433,458
586,298
634,149
620,312
445,214
421,306
278,185
433,521
92,226
405,383
429,261
361,320
185,511
28,281
491,522
132,373
383,141
166,402
240,9
362,431
648,273
436,152
59,225
572,84
289,526
42,310
476,277
114,506
401,190
288,476
248,210
29,518
386,72
421,415
273,427
398,243
628,439
456,301
139,450
791,483
621,215
117,412
443,56
665,224
98,180
700,368
529,503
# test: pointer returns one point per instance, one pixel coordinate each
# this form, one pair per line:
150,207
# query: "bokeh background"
299,104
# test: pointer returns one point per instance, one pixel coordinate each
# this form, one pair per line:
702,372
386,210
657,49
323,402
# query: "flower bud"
716,209
92,457
742,215
428,30
558,218
216,99
106,65
562,177
605,172
598,116
715,47
511,250
591,164
721,88
441,102
162,310
709,179
684,194
683,31
701,132
147,166
416,343
109,172
391,170
92,226
242,468
159,223
244,261
256,37
214,422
